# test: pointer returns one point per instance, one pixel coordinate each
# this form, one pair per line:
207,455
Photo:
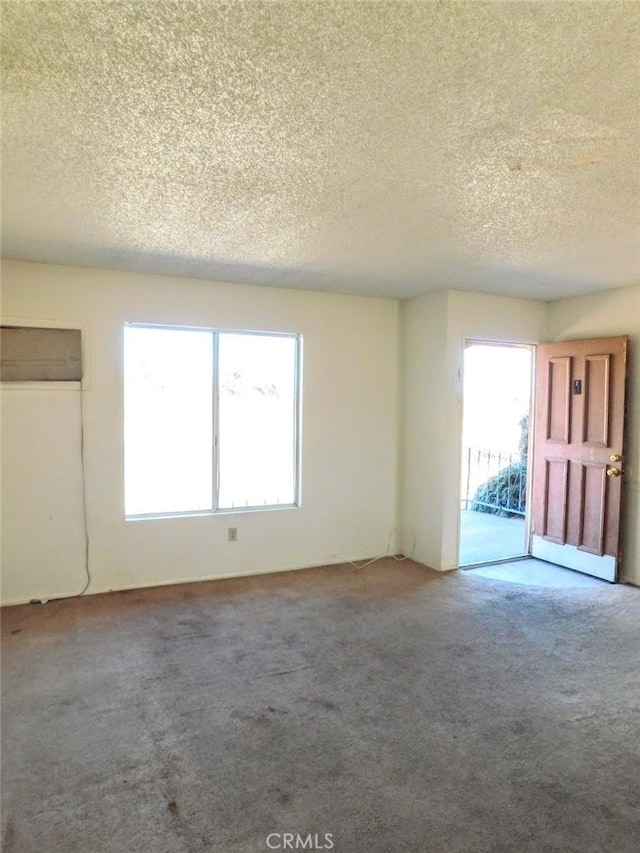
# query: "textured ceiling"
363,147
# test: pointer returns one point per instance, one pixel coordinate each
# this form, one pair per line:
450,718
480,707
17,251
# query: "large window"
210,420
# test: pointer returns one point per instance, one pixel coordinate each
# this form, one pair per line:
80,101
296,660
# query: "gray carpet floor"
394,708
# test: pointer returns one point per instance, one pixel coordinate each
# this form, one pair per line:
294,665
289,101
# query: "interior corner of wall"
547,325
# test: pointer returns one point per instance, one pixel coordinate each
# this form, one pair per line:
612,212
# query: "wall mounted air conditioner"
30,354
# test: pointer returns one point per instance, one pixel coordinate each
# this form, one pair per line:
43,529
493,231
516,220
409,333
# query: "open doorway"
495,452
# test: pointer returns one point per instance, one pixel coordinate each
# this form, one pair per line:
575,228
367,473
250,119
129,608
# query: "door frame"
470,341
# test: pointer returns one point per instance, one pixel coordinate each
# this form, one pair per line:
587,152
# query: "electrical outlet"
233,534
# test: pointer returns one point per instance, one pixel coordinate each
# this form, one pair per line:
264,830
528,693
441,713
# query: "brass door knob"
613,472
615,457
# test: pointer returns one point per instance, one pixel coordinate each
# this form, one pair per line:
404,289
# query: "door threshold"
495,562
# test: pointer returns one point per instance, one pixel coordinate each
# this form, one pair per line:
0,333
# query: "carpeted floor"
394,708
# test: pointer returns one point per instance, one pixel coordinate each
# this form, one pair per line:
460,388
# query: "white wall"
424,339
368,463
434,329
349,423
604,314
41,490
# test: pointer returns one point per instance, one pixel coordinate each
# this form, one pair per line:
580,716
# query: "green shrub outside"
506,490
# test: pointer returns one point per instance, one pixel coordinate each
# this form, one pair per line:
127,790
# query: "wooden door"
578,454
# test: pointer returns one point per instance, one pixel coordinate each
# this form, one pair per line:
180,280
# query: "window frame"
215,403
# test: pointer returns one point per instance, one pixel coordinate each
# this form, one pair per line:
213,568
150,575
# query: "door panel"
579,425
595,419
555,522
558,400
592,515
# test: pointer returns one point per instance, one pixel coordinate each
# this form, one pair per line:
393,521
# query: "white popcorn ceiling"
363,147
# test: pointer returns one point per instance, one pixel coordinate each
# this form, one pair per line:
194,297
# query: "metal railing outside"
502,473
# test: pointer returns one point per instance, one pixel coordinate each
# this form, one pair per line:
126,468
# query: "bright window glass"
168,420
210,420
257,423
